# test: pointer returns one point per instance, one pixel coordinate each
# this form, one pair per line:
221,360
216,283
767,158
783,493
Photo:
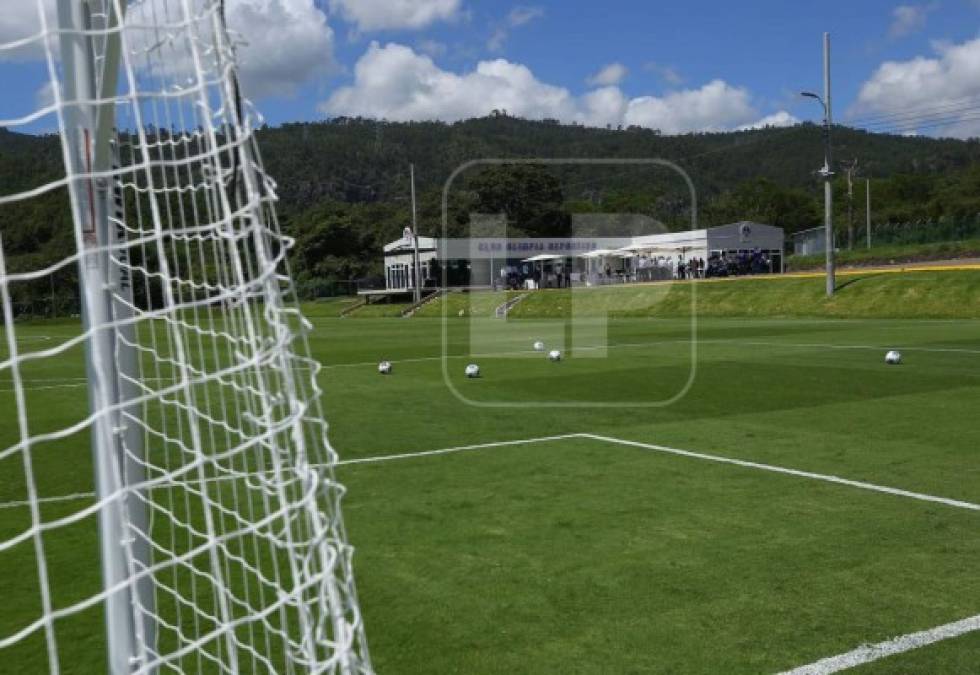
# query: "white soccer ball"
554,355
384,367
472,370
539,346
893,358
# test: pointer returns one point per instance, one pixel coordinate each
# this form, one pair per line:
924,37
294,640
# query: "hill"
344,184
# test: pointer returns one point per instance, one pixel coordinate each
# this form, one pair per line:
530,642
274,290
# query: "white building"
490,262
810,242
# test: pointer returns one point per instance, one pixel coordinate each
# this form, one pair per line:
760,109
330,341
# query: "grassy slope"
945,294
329,308
481,303
892,253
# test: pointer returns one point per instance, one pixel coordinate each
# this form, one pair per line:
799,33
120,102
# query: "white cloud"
517,17
21,21
609,75
371,15
393,82
713,107
285,42
668,74
396,83
923,85
288,43
521,15
602,107
777,119
433,48
909,19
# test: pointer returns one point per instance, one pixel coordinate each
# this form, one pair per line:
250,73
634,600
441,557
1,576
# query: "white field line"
460,448
817,345
71,383
903,643
772,468
49,500
653,343
363,460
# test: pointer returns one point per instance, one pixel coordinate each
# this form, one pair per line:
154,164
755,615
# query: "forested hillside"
344,184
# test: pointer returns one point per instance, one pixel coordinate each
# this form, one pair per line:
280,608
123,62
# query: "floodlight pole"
828,188
828,175
415,240
867,196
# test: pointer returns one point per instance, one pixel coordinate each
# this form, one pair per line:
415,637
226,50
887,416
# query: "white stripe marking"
363,460
461,448
69,383
49,500
903,643
827,478
817,345
861,485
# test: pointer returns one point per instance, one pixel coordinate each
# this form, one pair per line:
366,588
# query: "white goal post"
216,518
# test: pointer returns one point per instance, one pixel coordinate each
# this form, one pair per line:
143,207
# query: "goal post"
211,499
106,302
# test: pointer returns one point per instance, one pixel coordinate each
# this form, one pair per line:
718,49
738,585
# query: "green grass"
476,304
927,294
580,556
380,309
888,254
329,307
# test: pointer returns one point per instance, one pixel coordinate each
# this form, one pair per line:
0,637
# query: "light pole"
828,192
415,241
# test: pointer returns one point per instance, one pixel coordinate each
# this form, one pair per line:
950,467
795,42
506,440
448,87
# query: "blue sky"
677,66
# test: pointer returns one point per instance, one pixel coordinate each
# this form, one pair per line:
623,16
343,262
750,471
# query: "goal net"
167,495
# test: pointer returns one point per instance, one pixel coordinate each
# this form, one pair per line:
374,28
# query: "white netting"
211,501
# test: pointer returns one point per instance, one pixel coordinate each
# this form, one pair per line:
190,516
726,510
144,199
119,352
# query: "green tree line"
343,186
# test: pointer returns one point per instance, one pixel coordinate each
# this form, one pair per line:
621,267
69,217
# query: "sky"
677,66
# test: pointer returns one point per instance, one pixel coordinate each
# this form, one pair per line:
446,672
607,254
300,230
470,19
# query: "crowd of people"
644,267
744,262
661,268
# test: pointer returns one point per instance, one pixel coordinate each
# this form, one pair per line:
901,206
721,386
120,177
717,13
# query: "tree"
529,195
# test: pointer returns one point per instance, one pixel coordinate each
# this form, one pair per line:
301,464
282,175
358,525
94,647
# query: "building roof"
405,244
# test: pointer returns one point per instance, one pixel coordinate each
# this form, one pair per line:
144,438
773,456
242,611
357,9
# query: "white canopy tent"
598,253
543,257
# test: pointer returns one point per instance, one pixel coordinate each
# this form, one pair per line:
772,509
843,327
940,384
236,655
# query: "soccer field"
796,500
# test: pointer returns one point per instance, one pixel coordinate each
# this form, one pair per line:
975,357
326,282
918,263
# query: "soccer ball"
893,358
384,367
472,370
554,355
539,346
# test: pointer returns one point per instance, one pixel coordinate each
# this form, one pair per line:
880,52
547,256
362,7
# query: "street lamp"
828,192
826,131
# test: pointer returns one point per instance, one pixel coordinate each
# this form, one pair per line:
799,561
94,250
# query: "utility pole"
415,240
851,168
867,197
828,175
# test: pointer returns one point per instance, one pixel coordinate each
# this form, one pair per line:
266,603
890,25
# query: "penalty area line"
459,448
873,652
772,468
